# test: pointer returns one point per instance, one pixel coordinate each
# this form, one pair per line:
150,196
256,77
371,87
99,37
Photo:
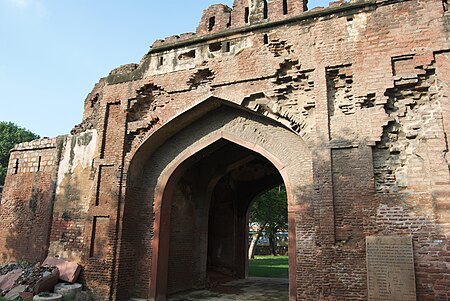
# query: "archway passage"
187,197
208,219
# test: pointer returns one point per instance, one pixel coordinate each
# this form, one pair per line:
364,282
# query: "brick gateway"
348,106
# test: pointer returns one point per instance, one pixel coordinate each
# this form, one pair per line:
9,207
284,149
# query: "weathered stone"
68,271
83,296
47,297
390,268
5,269
15,292
33,275
7,281
47,282
348,106
67,289
27,296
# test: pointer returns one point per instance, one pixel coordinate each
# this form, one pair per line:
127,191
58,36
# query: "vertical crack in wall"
414,107
446,152
442,83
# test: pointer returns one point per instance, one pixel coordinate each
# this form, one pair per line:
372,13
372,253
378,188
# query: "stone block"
83,296
7,281
47,283
15,292
47,297
68,271
27,296
67,289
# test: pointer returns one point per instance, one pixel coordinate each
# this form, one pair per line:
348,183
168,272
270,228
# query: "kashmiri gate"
347,106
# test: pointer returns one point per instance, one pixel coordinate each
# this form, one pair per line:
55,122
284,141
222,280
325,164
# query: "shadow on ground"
260,289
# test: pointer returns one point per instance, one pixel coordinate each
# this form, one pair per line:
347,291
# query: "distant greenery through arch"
268,219
268,216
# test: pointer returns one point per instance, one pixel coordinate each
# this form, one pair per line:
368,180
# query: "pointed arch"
179,147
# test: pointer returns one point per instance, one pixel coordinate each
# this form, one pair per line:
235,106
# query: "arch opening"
210,195
268,234
180,196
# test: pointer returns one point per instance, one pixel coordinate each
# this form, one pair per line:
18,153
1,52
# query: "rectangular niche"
112,131
106,182
100,238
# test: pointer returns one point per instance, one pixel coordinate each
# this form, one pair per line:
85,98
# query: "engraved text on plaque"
390,268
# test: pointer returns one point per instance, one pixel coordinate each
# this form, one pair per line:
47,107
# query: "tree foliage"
11,134
270,214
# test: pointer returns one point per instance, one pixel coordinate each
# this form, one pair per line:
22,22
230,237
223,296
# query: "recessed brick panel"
349,103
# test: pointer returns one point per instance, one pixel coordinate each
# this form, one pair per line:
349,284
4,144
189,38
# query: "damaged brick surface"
347,105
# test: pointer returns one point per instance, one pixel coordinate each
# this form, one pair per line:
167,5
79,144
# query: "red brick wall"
27,202
362,85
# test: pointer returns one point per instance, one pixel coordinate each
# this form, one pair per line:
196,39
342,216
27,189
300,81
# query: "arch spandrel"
165,129
156,162
356,120
284,148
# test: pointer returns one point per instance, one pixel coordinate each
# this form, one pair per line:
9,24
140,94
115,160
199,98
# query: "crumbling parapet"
215,18
362,87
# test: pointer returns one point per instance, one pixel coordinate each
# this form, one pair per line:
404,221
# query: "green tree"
269,214
11,134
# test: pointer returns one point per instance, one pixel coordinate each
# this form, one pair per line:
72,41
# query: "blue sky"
52,52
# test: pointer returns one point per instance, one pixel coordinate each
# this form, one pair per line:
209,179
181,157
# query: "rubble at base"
29,281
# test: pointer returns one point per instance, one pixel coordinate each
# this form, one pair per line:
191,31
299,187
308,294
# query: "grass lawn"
269,266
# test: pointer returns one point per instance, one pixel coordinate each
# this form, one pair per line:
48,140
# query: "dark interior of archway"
209,238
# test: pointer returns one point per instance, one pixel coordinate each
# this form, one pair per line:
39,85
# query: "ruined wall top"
220,17
220,22
36,144
215,18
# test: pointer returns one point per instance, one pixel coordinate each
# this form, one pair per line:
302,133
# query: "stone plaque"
390,268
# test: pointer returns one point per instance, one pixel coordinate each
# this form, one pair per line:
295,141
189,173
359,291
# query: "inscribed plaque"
390,268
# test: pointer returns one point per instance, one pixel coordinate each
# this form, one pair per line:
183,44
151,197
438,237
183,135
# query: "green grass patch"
269,266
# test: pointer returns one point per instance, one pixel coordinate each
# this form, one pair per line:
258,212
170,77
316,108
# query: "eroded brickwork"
27,202
347,105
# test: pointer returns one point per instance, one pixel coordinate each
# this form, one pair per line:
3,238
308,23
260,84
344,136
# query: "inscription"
390,268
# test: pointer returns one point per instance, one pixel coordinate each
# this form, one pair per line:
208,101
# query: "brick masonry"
27,201
347,105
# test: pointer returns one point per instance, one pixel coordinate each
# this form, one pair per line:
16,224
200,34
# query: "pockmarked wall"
348,106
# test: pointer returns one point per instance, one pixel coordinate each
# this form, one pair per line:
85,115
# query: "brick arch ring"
163,196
